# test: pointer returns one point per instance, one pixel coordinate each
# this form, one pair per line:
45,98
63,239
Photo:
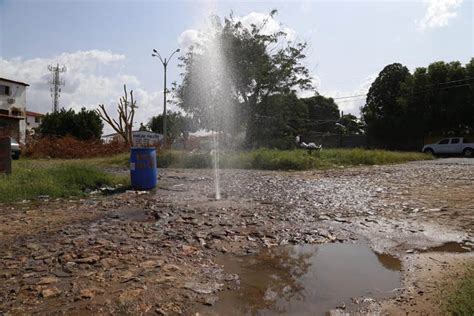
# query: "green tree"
382,113
351,124
276,120
234,69
177,125
84,125
323,114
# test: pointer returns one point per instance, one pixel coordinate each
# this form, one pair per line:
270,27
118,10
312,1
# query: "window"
37,119
4,90
455,141
444,141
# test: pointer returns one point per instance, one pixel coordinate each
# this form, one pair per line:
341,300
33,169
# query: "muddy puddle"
306,280
450,246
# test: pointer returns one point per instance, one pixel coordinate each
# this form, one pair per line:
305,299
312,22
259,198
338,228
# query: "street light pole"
165,66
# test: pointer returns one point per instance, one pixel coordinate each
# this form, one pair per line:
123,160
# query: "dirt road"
157,252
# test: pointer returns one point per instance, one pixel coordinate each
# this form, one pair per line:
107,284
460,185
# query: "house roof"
29,113
14,81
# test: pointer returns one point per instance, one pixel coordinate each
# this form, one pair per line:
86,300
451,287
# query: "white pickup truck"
451,146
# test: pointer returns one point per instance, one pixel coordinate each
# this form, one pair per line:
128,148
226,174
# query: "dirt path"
155,253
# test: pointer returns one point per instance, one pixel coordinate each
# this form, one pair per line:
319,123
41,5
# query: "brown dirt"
154,253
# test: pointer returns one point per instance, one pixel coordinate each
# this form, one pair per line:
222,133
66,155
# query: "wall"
9,127
17,92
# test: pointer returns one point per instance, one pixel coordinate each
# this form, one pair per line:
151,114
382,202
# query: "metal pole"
164,103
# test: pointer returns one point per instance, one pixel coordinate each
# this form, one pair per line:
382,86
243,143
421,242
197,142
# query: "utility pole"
165,66
55,84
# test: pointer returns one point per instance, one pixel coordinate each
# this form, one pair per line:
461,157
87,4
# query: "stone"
88,260
47,280
150,264
203,288
50,292
86,293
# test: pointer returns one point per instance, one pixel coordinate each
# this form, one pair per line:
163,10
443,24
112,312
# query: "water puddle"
450,246
306,280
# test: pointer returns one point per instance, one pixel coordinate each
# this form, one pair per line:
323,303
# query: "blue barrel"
143,172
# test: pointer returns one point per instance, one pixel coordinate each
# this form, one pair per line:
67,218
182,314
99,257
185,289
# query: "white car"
451,146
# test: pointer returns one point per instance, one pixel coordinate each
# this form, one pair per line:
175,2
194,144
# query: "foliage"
277,119
84,125
437,100
32,178
270,159
178,126
126,113
323,114
381,112
461,300
351,124
251,67
69,147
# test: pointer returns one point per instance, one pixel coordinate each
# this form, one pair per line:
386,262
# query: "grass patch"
55,178
461,299
270,159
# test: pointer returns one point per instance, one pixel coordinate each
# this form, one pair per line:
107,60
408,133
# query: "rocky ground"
139,253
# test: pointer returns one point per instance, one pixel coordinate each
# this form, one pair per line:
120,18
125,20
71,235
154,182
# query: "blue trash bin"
143,171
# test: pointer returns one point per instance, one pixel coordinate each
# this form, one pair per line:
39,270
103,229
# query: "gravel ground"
153,252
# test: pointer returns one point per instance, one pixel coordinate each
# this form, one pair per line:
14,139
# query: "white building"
33,120
13,108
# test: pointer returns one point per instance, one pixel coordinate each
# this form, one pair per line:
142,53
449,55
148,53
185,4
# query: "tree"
382,112
323,114
234,69
83,125
126,113
178,126
351,124
276,121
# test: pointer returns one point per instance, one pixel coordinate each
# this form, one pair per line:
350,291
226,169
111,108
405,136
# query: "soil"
156,252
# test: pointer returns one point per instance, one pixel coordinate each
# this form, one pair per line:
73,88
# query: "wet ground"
177,251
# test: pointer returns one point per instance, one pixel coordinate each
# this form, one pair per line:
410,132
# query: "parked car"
16,151
451,146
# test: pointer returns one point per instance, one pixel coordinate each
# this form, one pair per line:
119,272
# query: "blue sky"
108,43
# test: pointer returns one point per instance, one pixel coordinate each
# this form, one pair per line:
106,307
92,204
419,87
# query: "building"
140,138
33,120
13,109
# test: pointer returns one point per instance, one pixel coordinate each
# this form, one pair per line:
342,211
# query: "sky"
105,44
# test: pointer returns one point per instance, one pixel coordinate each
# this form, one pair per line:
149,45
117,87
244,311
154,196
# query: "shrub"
69,147
83,125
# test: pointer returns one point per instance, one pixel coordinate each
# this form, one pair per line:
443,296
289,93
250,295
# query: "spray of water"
212,89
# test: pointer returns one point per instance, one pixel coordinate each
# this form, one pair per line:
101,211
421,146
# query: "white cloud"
268,25
438,13
86,84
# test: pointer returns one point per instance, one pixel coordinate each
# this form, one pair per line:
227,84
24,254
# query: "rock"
129,295
86,293
150,264
203,288
210,301
50,292
88,260
47,280
108,263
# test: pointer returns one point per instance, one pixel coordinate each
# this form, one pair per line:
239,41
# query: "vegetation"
257,65
270,159
402,108
461,300
83,125
178,126
33,178
126,112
